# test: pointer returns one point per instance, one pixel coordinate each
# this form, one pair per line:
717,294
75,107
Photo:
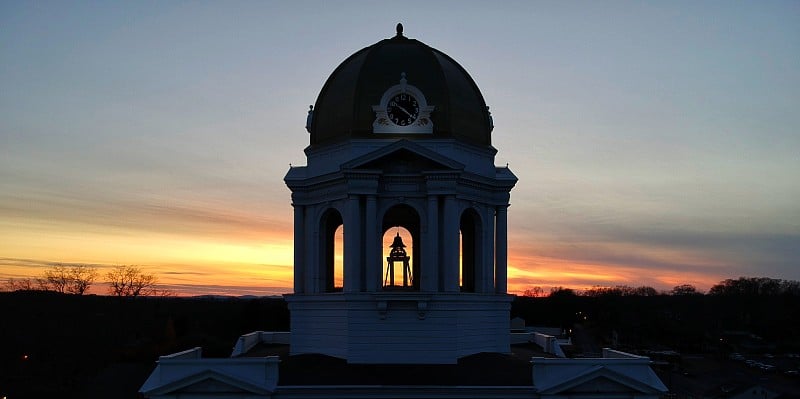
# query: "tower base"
401,327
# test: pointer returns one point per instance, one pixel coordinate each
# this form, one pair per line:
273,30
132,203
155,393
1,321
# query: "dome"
344,108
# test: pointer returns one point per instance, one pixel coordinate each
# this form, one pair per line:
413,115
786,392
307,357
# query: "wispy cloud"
145,215
38,263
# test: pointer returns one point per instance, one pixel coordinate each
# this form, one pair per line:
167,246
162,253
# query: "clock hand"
406,111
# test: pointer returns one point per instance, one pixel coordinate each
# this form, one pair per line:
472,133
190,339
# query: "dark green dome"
344,107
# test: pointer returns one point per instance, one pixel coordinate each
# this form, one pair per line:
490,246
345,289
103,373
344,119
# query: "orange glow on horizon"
211,264
549,273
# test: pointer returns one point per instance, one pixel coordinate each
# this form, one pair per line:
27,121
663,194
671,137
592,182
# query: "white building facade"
389,149
400,140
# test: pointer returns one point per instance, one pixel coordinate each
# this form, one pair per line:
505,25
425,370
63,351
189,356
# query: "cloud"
183,216
232,290
669,248
175,273
38,263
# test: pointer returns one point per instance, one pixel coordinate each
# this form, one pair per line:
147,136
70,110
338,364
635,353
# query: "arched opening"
338,259
331,235
398,250
470,251
403,220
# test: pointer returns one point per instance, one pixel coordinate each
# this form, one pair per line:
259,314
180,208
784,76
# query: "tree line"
122,280
763,286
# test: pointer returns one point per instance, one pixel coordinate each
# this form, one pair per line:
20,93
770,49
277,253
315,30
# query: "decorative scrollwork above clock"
403,109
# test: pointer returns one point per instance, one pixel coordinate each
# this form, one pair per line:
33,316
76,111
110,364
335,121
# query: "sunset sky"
656,143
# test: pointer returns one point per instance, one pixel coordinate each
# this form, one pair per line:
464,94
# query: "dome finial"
399,29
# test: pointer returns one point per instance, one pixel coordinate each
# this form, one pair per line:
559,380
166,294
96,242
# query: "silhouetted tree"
74,279
684,289
644,291
597,291
753,286
131,281
56,278
81,278
561,292
22,284
533,292
620,290
790,287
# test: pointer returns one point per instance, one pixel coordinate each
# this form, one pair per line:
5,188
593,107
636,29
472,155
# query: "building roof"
344,110
483,369
262,366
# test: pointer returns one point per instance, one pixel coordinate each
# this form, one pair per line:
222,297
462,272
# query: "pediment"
403,156
211,385
207,382
599,384
600,380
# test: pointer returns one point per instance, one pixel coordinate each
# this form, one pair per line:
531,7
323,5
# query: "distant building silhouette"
400,136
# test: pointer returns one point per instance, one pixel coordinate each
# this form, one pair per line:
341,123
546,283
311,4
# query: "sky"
656,143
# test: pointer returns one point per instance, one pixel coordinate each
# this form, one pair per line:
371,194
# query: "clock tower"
400,139
400,250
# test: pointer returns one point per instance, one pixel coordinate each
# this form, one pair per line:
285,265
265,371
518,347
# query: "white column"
450,245
352,246
313,282
487,263
430,245
501,250
299,248
372,263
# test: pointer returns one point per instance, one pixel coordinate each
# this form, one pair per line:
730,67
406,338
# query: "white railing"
549,343
248,341
194,353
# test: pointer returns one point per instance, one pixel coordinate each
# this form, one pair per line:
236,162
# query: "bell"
397,254
398,242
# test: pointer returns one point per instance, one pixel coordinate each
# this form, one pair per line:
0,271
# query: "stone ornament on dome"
309,118
399,35
491,120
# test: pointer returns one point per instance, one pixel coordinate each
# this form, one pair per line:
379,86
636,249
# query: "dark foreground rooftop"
483,369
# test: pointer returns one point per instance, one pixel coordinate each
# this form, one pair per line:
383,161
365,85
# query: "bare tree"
561,292
74,279
131,281
684,289
533,292
81,278
22,284
56,279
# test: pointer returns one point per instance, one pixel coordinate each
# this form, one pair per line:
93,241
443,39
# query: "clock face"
402,109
